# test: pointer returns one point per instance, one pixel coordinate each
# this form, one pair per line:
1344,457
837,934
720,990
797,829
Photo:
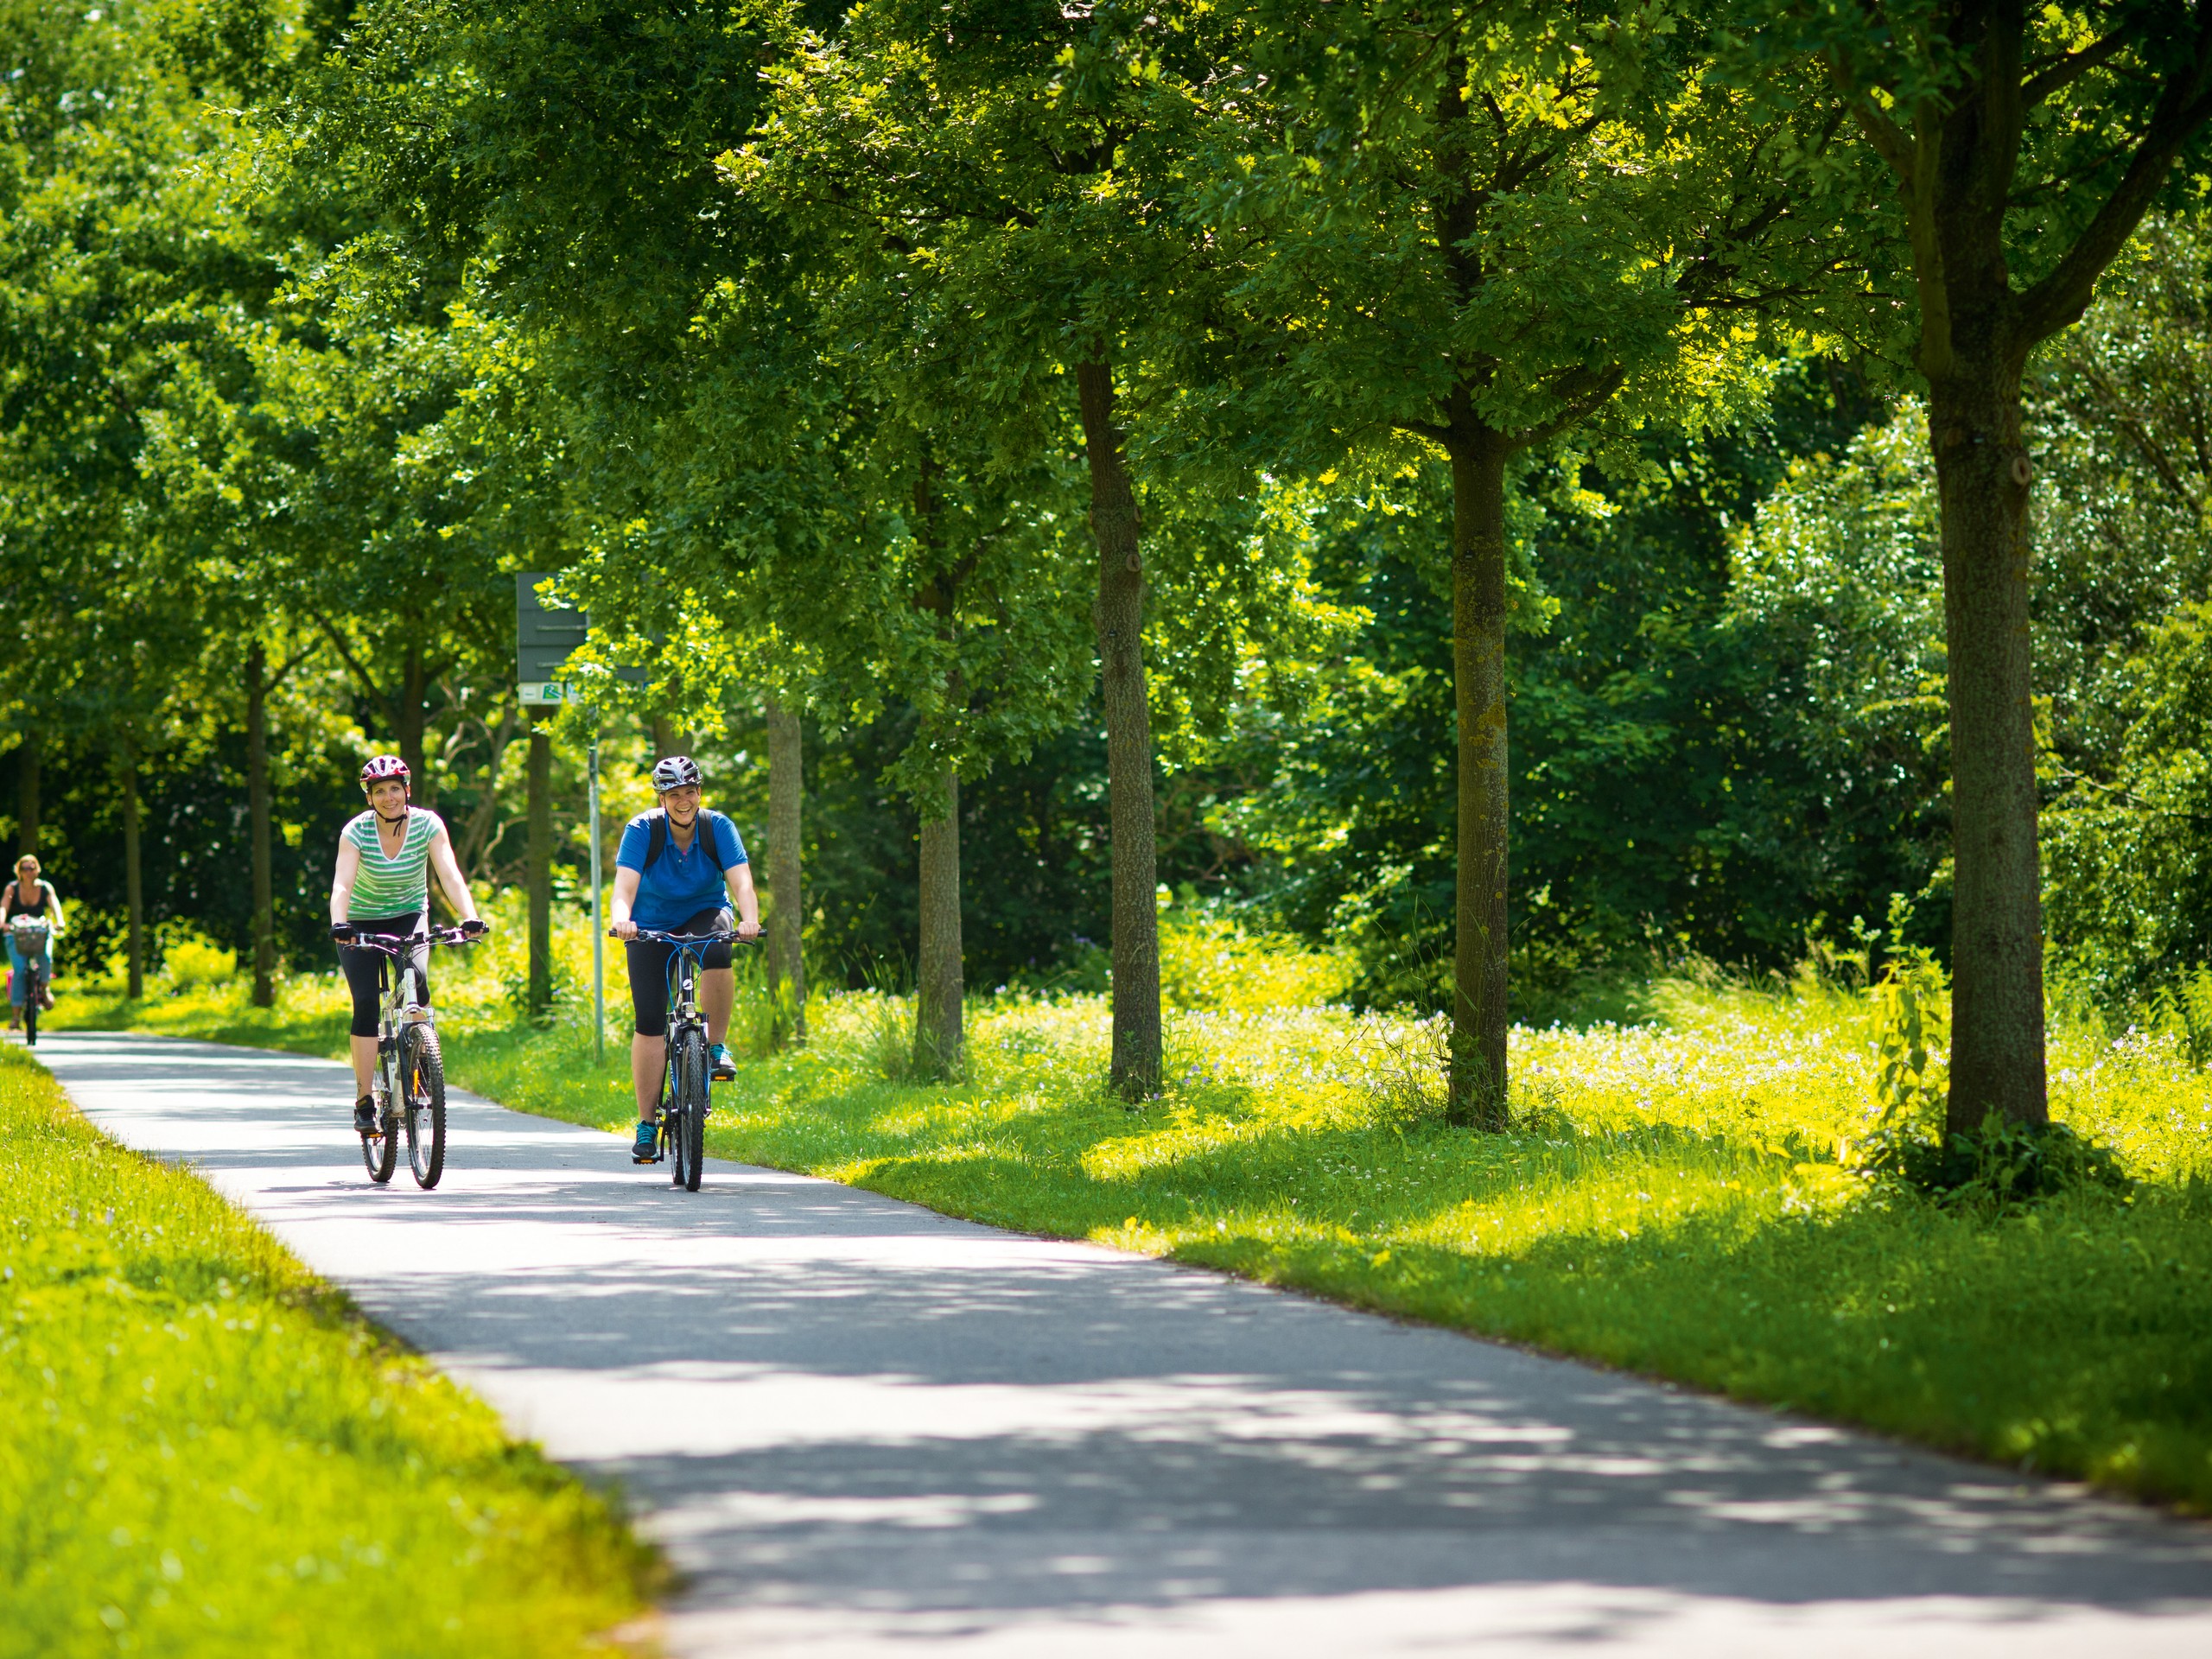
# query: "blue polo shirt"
681,883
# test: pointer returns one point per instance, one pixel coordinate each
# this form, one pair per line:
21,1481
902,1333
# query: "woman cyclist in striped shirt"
382,885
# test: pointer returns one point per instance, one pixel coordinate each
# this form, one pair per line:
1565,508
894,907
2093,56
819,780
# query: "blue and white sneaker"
645,1149
719,1066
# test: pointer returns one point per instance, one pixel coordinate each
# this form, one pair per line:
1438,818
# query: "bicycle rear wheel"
688,1068
380,1151
422,1076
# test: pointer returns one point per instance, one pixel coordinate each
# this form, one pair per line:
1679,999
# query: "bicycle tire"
422,1072
380,1151
31,1013
689,1135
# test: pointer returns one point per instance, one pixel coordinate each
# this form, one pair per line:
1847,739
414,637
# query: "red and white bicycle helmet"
675,773
381,766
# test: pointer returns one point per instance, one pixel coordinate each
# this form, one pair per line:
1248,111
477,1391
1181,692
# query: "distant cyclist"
382,885
676,865
27,895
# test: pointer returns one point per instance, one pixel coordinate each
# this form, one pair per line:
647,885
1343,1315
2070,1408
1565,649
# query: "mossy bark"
28,757
786,964
1118,616
262,851
1480,952
941,986
134,884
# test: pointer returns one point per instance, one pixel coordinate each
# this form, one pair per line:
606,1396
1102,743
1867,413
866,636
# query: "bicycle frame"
38,969
685,1022
401,1005
685,964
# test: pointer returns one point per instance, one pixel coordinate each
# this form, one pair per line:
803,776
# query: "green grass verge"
1671,1201
203,1451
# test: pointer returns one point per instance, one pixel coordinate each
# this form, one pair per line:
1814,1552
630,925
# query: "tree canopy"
1508,489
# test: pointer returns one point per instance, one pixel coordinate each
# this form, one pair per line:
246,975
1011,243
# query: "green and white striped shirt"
392,887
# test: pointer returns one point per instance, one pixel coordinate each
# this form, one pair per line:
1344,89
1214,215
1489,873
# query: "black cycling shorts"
362,968
649,961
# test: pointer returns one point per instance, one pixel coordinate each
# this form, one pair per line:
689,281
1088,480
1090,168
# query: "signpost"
546,636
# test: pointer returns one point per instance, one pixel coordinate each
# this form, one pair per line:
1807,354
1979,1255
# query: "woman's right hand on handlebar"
624,929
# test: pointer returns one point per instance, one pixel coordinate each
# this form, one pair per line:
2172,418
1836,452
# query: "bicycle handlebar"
658,937
398,944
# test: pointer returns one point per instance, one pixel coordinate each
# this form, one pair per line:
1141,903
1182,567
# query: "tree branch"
1890,141
360,671
2063,294
1594,397
2070,68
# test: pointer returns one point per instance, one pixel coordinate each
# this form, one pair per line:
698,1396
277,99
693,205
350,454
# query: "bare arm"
342,879
738,880
53,903
449,877
626,894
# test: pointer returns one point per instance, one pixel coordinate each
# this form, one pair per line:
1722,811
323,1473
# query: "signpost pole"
546,637
598,922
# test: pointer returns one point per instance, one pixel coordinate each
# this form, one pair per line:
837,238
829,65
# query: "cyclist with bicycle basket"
31,912
382,886
677,864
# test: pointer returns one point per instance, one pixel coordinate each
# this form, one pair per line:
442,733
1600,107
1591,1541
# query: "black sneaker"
365,1115
645,1149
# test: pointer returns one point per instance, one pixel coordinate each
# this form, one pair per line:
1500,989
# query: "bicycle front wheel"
689,1087
30,1014
422,1075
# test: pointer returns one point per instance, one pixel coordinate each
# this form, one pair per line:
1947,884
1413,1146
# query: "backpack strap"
656,838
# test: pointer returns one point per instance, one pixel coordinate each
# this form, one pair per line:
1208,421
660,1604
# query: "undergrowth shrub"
191,960
1207,960
2003,1162
2184,1012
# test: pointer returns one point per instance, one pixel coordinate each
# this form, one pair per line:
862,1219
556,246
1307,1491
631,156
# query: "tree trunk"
1118,616
133,882
786,904
1997,1023
540,861
941,986
261,853
414,689
667,739
1480,952
26,781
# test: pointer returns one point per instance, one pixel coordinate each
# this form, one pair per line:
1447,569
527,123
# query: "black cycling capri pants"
362,968
649,960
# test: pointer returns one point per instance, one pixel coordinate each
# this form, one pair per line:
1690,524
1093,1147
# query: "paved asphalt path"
862,1428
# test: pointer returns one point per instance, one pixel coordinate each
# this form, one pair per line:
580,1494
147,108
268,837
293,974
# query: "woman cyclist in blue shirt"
677,866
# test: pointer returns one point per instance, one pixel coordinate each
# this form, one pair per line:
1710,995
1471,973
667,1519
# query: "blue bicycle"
685,1094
